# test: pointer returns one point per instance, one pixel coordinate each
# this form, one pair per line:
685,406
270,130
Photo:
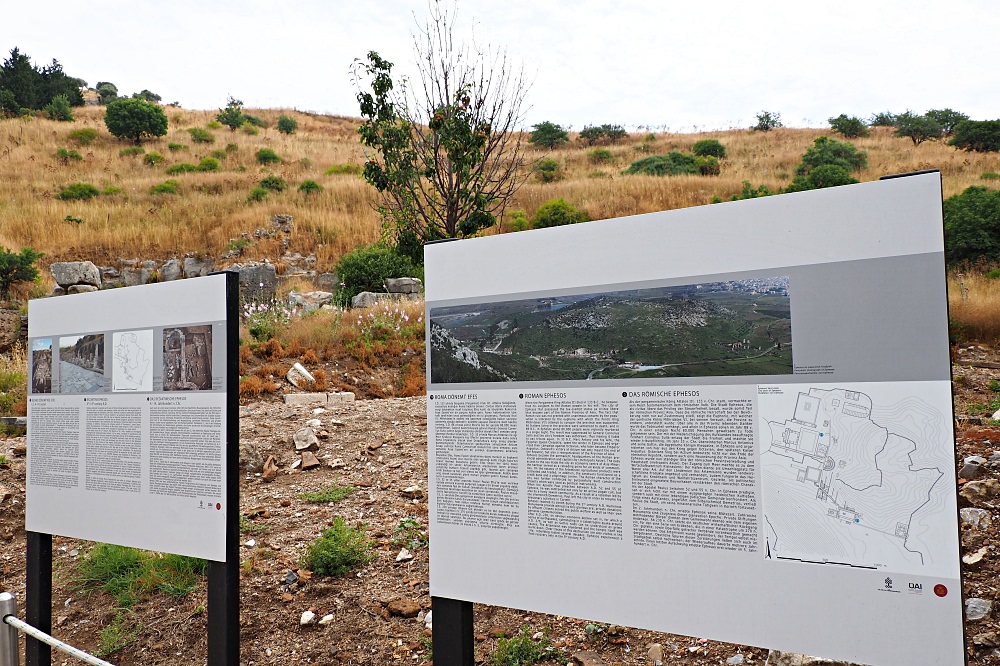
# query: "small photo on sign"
187,358
81,363
41,365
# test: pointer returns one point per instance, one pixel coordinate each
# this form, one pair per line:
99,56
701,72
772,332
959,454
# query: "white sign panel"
731,421
127,417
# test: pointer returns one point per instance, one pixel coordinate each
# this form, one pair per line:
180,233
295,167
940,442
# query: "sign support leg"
38,597
453,641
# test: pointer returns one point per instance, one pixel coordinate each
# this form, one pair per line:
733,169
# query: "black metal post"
38,597
453,641
224,577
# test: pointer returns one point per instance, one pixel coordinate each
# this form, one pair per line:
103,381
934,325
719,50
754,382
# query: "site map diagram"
132,361
851,482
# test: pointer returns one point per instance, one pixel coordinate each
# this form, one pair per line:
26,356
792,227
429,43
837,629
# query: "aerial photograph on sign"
735,327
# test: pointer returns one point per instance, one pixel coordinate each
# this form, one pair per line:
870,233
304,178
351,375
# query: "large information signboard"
731,421
127,417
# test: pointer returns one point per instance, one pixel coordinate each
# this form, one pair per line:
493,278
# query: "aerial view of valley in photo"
737,327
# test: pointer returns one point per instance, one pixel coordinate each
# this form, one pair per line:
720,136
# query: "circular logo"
218,507
940,590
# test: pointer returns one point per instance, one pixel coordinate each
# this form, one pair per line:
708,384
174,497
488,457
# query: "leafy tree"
53,82
709,148
556,213
972,225
232,116
946,118
134,119
267,156
767,121
108,92
287,124
366,269
882,119
595,133
8,103
615,133
824,175
445,156
548,135
850,127
830,151
981,136
673,163
59,109
591,134
917,128
148,95
17,267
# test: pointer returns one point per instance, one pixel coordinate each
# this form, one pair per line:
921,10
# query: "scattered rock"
170,270
986,639
979,518
404,607
308,617
972,467
10,329
735,659
258,282
977,609
404,556
6,495
20,450
81,289
270,469
299,377
980,492
655,654
310,300
587,658
776,658
427,620
412,492
251,459
326,619
194,267
309,461
404,285
327,281
305,440
290,577
976,557
67,273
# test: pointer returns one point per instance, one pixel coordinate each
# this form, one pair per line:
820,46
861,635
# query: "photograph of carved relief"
187,358
41,365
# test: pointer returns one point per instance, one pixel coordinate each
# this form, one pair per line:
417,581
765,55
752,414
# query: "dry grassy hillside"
211,209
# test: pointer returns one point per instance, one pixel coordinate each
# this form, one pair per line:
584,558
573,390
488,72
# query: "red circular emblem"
940,590
218,507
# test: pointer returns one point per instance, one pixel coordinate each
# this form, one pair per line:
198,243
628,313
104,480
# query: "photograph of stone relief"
81,363
41,365
187,358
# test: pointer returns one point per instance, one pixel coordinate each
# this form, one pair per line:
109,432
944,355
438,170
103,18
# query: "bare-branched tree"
447,153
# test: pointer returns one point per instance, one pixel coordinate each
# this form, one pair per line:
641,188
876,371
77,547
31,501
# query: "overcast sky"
668,64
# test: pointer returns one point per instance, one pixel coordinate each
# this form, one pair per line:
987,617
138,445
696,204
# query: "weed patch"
332,493
340,550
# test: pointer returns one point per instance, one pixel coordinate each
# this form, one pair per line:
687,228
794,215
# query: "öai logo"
888,583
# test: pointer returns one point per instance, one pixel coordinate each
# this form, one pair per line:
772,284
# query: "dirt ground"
380,448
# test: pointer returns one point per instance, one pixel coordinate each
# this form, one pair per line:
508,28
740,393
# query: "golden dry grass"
211,209
973,304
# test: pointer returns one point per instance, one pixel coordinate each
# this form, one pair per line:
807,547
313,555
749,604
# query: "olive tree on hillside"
134,119
445,154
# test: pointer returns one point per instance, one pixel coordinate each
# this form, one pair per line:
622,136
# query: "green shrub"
593,134
17,267
850,127
972,225
990,175
257,195
166,187
672,164
948,119
882,119
709,148
111,190
174,147
287,124
249,129
519,221
208,164
767,121
117,634
600,155
341,549
523,650
219,154
981,136
556,213
59,109
152,159
8,104
267,156
337,169
409,534
917,128
131,151
78,191
199,135
366,269
65,155
830,151
135,119
993,275
231,148
213,125
748,191
824,175
548,135
707,165
180,167
83,136
548,170
274,183
310,187
254,120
